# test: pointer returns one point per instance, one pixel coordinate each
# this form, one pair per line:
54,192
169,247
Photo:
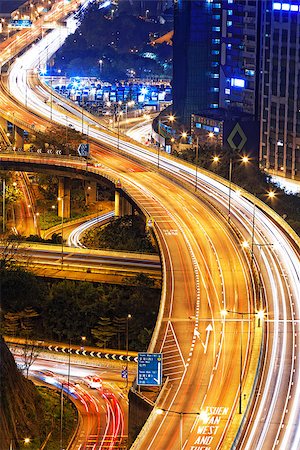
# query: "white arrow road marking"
56,349
99,354
50,348
77,351
92,354
209,328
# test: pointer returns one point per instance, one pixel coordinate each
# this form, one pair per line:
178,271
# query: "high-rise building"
215,57
280,88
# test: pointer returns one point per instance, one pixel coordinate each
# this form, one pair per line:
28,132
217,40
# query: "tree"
103,332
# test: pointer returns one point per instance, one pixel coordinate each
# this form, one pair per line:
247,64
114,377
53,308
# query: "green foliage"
120,43
57,138
103,332
127,233
21,290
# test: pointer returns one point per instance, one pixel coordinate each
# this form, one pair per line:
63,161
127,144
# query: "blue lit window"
238,82
230,1
214,75
216,16
229,12
277,6
214,105
214,89
215,52
229,46
215,41
217,5
215,28
216,129
229,23
227,91
249,72
214,64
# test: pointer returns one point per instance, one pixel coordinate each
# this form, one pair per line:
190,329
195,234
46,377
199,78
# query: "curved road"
206,270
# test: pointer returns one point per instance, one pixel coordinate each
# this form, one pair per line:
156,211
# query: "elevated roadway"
88,265
207,357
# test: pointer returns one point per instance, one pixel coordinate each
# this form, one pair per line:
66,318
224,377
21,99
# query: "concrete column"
18,137
64,193
117,204
3,124
127,208
91,191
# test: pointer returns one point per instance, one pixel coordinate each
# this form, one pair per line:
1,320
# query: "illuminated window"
238,82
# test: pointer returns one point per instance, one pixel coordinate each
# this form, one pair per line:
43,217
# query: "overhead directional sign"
84,150
24,23
149,369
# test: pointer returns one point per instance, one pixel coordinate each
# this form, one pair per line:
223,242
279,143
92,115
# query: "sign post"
149,369
84,150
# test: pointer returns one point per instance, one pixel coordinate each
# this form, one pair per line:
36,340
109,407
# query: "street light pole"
158,143
260,316
61,415
3,206
62,228
127,346
229,194
197,156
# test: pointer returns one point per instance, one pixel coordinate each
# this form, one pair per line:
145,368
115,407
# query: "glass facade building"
215,57
280,89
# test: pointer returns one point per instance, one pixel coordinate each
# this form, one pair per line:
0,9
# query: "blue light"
144,91
238,82
278,6
216,129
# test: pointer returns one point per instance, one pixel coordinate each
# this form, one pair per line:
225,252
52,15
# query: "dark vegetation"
63,310
127,233
120,39
29,412
249,177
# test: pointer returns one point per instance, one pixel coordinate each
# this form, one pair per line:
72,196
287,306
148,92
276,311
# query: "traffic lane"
232,273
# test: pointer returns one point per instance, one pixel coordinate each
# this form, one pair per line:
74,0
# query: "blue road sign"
84,150
124,373
149,369
24,23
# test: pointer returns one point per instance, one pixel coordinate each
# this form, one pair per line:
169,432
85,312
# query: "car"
93,382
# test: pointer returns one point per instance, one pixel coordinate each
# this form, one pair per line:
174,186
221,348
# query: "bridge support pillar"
122,206
18,137
117,204
91,192
126,207
3,124
64,193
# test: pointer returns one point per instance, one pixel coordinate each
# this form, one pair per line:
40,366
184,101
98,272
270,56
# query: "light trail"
279,263
76,234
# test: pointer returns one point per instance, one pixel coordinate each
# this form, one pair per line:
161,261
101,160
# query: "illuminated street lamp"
260,316
203,416
61,199
127,345
244,160
100,65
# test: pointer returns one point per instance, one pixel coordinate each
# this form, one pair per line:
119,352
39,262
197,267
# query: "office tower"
280,88
215,58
